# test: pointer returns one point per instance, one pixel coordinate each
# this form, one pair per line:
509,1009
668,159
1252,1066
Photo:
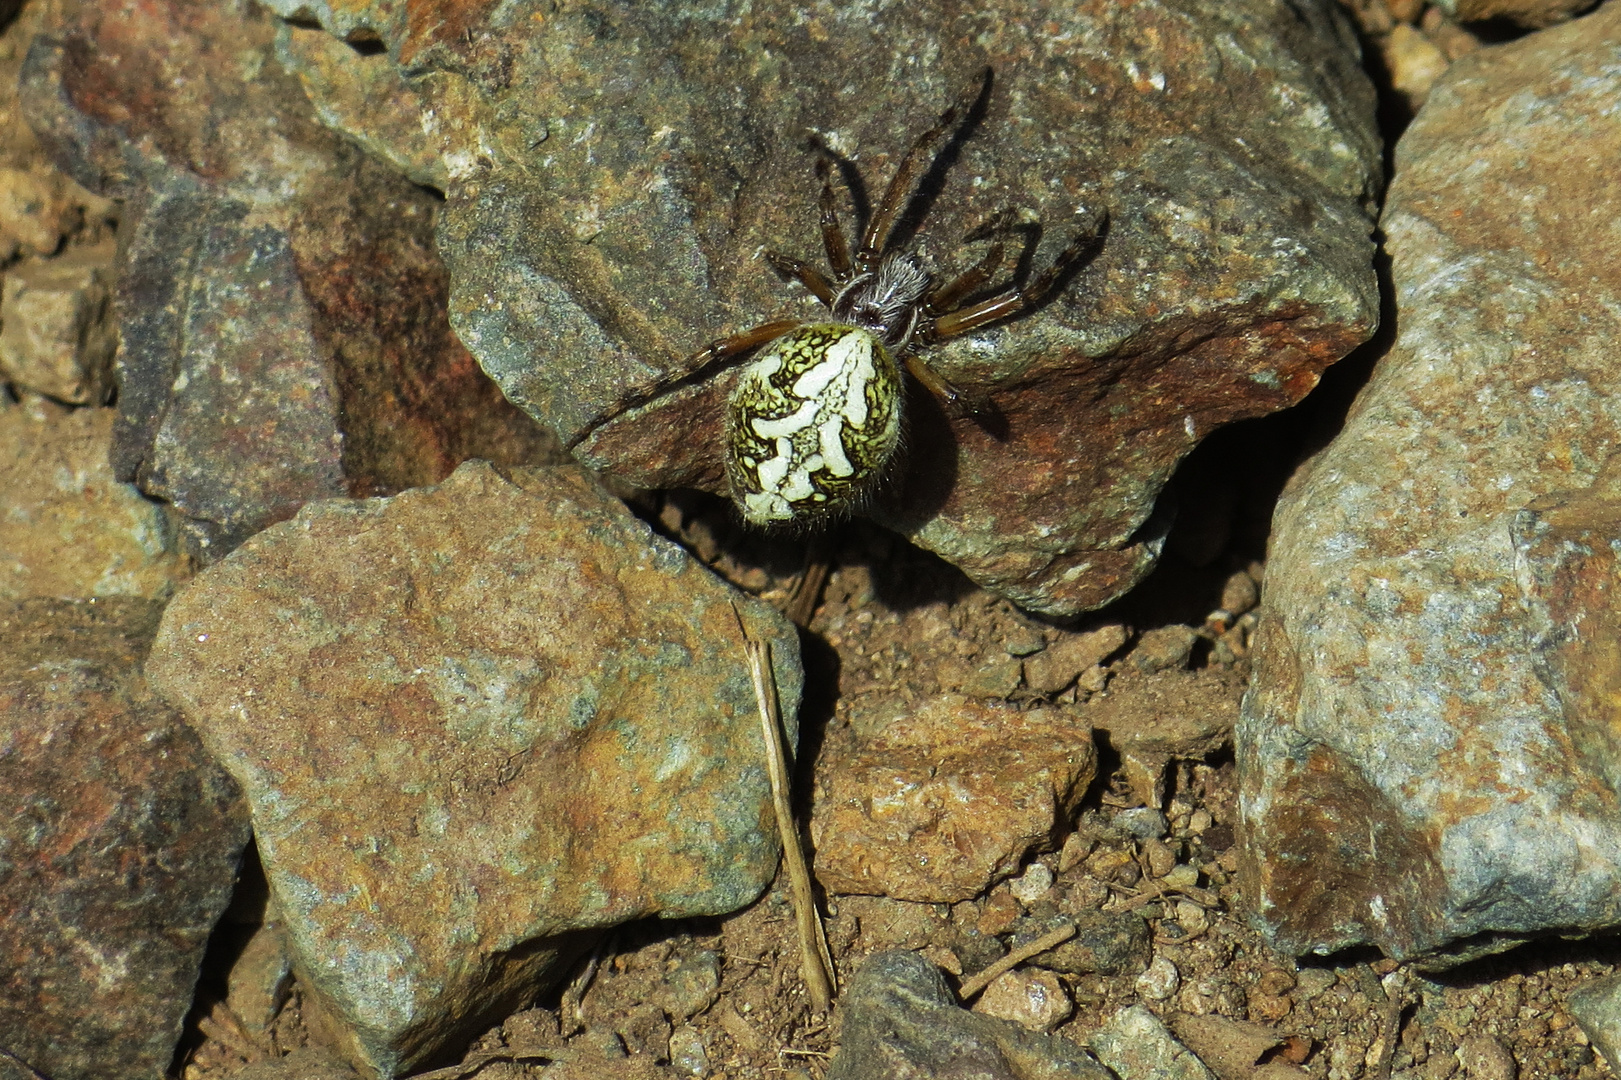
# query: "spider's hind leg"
737,344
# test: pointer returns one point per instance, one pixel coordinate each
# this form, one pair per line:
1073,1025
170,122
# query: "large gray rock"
473,721
1428,753
612,176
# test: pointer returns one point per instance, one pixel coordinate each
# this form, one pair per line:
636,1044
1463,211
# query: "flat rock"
474,721
1427,755
938,804
285,335
611,179
68,527
118,848
902,1023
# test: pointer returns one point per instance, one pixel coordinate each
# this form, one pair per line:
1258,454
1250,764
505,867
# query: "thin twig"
571,1008
807,594
972,986
815,959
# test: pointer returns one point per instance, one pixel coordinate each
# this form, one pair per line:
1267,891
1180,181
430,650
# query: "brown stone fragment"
1058,665
940,803
57,332
475,721
284,334
68,528
120,839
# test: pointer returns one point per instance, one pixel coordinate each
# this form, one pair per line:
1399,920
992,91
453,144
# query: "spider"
815,419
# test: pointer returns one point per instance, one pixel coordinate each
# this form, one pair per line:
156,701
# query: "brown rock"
473,720
68,528
57,333
1032,999
938,804
1534,14
1435,659
1053,669
284,334
121,843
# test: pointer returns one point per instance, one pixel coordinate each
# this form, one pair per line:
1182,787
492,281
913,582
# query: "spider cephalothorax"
815,418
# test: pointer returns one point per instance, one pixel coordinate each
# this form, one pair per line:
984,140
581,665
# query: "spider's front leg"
1016,299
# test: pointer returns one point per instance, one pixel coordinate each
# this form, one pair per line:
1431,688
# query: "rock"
1484,1058
1138,1047
260,979
939,804
1414,62
285,336
1033,884
1105,942
69,529
606,226
1052,670
1164,648
474,721
1159,980
1142,822
57,332
901,1023
1596,1006
118,848
693,986
1032,999
687,1053
1431,695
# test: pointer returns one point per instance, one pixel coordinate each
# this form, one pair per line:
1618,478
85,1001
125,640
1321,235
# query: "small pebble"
1161,859
1313,981
1142,822
1239,594
1200,821
687,1051
1182,876
1160,980
1032,885
1484,1058
999,913
1164,648
1034,999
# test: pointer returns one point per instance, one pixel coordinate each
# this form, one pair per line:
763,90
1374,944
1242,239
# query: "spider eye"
812,424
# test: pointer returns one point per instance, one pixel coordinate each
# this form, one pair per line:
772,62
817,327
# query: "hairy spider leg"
944,297
1013,300
804,273
875,240
728,347
838,248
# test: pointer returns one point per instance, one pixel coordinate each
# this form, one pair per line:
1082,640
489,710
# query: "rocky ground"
1098,751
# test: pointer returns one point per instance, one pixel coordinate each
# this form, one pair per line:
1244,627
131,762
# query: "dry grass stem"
972,986
815,959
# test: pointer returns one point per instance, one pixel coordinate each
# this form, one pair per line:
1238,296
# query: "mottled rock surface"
902,1023
1138,1047
611,178
67,527
284,334
472,720
937,804
1428,753
57,332
118,846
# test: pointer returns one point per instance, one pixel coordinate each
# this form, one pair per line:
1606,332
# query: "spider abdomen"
812,423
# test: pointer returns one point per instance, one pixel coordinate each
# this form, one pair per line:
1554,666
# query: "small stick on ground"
517,1055
815,960
972,986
